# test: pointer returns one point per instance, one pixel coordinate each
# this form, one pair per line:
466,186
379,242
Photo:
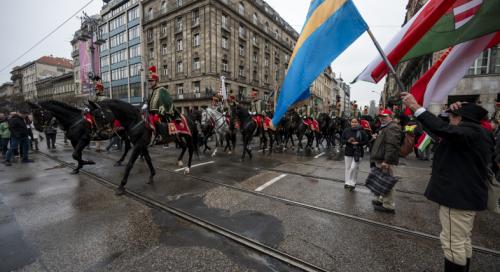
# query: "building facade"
481,84
28,74
6,90
194,43
323,93
120,50
61,88
342,92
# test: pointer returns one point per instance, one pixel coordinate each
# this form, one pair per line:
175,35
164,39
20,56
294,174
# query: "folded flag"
331,26
423,142
407,37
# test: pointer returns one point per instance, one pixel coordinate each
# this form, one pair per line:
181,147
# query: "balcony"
193,96
75,53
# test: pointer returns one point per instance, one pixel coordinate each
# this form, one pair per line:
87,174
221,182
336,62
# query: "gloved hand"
144,107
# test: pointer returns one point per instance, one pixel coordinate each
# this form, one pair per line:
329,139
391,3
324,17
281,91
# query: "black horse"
325,132
247,127
295,125
130,118
76,129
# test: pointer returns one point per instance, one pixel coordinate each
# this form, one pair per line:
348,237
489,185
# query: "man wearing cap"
160,102
385,155
459,174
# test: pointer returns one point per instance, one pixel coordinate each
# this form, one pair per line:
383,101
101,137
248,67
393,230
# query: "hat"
471,112
386,112
153,74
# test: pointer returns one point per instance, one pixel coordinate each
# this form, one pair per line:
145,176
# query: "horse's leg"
244,138
217,144
127,148
77,155
190,147
138,149
271,142
152,171
183,146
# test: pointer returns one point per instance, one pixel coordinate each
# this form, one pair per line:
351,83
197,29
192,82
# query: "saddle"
258,120
312,124
87,117
174,127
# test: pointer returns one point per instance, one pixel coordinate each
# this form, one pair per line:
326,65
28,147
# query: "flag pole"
386,60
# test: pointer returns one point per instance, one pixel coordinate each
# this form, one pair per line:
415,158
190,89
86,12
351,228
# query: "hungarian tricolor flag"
440,80
437,26
423,142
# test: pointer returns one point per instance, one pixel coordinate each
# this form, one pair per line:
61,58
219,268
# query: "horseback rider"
99,91
160,104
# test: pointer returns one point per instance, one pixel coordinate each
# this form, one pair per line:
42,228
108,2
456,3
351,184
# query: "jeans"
24,143
115,140
51,140
4,145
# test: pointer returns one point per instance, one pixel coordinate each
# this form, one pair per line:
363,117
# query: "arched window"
242,8
150,13
163,6
255,18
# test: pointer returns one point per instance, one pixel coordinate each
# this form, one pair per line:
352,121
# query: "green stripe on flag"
444,35
425,143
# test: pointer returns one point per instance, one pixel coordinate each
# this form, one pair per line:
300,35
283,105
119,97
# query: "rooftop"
54,61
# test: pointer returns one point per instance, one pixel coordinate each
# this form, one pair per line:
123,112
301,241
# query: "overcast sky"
24,22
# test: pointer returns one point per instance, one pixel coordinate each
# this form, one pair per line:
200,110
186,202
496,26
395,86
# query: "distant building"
343,94
6,90
322,93
61,88
194,43
120,50
44,67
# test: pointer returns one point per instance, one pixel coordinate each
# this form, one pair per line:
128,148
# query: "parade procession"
250,135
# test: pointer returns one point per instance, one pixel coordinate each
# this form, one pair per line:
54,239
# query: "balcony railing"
193,96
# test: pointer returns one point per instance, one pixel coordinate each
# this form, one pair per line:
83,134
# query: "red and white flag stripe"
407,37
466,11
439,81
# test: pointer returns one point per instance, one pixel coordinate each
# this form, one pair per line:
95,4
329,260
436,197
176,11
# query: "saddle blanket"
312,124
181,127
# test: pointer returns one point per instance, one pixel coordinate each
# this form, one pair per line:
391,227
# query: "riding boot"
453,267
467,266
162,131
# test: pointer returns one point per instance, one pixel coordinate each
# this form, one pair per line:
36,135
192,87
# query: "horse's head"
41,117
205,118
103,118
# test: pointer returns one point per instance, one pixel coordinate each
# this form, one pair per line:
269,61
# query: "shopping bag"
380,182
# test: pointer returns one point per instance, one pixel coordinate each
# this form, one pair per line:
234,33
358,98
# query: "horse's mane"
121,109
51,104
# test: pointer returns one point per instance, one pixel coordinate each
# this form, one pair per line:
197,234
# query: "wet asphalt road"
54,221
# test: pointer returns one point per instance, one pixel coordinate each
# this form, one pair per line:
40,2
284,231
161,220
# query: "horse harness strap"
76,124
137,125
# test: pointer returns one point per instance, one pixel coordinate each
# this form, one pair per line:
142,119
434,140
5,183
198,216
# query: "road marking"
267,184
319,155
196,165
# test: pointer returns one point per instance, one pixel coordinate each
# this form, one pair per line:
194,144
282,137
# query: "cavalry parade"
252,175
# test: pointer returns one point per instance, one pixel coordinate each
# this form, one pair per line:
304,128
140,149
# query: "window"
255,75
266,28
225,21
133,33
255,18
149,34
103,47
104,76
135,69
180,88
254,39
135,51
241,8
277,75
196,17
178,24
242,31
104,61
241,71
133,14
180,67
150,14
151,53
266,60
225,43
119,73
196,40
196,87
495,59
225,66
163,7
118,39
256,57
165,70
242,50
163,29
117,22
179,3
196,64
164,49
119,56
481,64
180,45
266,79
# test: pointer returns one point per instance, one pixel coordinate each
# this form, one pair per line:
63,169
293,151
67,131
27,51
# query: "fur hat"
471,112
153,76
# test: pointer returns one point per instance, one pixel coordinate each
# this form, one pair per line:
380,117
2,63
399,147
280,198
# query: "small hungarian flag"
423,142
466,20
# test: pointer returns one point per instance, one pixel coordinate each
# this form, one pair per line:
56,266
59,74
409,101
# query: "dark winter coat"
361,137
497,155
18,127
387,145
459,170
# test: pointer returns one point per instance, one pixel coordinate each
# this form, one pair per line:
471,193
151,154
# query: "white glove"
144,107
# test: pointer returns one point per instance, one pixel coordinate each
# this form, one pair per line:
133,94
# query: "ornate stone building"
61,88
194,43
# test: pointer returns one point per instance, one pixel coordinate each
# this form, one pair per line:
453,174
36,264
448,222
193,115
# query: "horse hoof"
89,162
118,164
120,191
150,180
213,154
75,172
230,153
187,171
180,164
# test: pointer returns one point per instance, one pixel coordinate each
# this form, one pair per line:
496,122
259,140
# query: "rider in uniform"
160,103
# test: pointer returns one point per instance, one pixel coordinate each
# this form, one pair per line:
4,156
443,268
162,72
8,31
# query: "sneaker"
27,161
384,209
376,203
351,188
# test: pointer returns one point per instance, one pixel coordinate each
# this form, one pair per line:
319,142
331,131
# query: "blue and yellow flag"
331,26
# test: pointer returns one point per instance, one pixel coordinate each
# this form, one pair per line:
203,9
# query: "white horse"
211,117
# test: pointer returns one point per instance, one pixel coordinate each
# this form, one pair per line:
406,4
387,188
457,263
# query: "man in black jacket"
19,137
459,174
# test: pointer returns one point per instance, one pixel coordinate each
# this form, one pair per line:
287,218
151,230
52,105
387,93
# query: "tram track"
386,226
235,237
